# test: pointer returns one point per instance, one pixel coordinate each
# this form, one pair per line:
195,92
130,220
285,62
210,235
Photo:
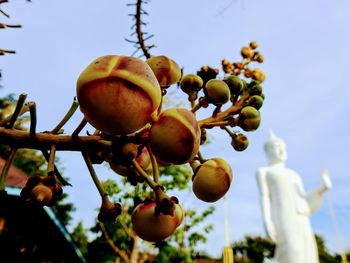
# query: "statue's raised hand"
327,184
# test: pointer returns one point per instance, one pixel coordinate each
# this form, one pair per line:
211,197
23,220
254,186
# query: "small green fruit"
190,83
235,84
239,142
249,118
217,91
255,101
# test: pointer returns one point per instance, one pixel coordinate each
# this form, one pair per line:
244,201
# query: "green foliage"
255,248
80,238
30,161
185,239
180,247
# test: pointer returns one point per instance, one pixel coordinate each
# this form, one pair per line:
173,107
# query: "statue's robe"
290,210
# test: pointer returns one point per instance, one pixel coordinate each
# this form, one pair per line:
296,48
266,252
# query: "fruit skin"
249,118
212,180
217,91
235,84
152,227
175,136
239,142
143,159
118,94
165,69
41,194
190,83
247,52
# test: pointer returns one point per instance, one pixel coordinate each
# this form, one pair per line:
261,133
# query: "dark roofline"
15,191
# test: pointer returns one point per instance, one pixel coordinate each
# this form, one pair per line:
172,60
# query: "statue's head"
275,149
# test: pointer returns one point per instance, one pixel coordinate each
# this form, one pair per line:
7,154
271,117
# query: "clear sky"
306,47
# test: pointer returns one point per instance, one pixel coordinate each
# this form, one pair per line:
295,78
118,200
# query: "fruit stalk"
66,117
6,168
92,172
32,110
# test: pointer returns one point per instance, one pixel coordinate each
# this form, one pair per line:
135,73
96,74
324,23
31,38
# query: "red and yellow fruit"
154,227
143,159
118,94
175,136
165,69
212,180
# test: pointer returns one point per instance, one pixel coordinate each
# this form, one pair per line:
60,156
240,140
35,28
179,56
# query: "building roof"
15,177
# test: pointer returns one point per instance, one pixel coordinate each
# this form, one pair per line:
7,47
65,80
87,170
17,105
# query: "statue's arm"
314,198
266,204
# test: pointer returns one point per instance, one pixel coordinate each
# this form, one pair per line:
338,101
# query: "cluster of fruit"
122,97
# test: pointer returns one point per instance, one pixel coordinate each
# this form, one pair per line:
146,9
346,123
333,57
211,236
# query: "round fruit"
175,136
247,52
249,118
217,91
235,84
152,227
191,82
258,75
212,180
239,142
143,159
118,94
165,69
41,194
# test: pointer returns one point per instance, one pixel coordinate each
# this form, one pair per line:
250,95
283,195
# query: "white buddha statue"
287,207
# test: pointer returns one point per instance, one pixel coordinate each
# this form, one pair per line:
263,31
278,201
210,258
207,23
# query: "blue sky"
305,44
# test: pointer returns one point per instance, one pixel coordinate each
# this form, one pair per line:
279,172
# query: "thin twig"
33,120
109,240
147,178
7,51
5,121
6,168
66,117
22,139
51,162
79,128
138,23
127,230
17,111
155,168
94,177
57,172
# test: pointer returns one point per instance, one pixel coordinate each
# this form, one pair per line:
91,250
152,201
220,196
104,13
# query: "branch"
127,230
116,249
138,29
43,141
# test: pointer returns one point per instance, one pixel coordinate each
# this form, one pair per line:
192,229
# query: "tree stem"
32,110
66,117
22,139
16,113
6,168
155,168
93,174
51,162
147,178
